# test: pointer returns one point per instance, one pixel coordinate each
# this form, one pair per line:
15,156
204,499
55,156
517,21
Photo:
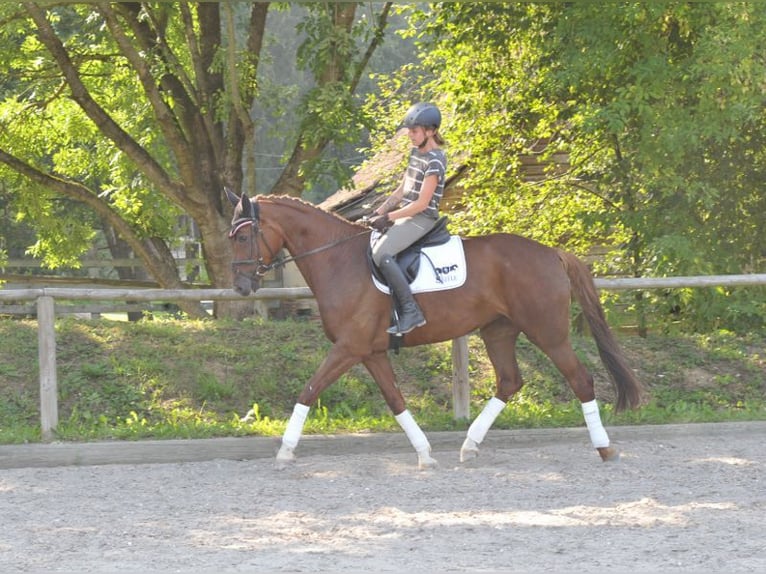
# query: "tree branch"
233,81
152,251
178,134
291,181
96,113
159,40
209,82
233,172
377,39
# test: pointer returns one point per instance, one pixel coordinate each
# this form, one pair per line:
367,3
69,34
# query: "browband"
239,224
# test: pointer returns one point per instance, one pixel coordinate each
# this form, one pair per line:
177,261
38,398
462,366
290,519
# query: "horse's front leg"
379,367
338,361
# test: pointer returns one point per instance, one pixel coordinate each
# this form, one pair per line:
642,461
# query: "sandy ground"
682,499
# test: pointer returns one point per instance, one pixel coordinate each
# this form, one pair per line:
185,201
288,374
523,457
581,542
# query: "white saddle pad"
441,267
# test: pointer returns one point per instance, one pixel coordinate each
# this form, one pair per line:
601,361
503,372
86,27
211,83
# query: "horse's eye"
242,238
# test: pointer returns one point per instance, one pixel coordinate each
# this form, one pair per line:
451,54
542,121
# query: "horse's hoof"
285,458
469,450
282,464
609,454
426,461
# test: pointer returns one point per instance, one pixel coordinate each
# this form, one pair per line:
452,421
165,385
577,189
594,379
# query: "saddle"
409,259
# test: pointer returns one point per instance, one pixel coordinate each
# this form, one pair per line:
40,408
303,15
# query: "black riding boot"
410,315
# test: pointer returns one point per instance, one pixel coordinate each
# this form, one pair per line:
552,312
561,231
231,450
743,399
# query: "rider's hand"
380,222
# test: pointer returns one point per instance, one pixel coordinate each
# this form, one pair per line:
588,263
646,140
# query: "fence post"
46,343
461,389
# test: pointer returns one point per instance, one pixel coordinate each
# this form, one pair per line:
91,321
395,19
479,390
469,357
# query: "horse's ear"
247,207
231,195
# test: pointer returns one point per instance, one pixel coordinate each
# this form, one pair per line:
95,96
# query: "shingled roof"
379,175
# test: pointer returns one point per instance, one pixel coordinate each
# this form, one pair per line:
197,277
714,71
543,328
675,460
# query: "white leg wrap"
481,424
413,431
597,432
295,426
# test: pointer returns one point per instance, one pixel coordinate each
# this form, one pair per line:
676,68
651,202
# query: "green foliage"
52,133
657,107
135,113
670,103
331,110
165,378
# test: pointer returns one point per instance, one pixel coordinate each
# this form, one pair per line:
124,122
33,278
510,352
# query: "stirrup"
394,329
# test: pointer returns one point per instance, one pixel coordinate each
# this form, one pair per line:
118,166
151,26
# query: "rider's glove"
380,222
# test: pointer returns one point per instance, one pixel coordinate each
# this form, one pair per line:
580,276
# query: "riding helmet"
422,114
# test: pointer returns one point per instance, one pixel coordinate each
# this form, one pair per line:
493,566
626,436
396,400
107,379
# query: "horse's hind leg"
581,381
500,341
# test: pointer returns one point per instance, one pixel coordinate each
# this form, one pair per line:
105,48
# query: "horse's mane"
302,203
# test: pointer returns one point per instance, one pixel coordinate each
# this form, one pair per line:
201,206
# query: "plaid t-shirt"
433,162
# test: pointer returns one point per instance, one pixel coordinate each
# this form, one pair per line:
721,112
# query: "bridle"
255,257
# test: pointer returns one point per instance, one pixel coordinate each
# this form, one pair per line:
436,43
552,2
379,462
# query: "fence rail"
153,294
46,315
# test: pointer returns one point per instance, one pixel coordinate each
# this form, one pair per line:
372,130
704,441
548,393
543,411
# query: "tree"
141,111
659,109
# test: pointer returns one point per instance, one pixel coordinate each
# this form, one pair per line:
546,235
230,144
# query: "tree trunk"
119,249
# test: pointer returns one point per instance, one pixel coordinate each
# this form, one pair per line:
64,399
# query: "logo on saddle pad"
440,267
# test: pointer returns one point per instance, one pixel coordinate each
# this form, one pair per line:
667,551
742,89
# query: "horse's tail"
628,387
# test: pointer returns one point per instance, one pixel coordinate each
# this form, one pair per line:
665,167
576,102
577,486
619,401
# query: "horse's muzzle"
243,284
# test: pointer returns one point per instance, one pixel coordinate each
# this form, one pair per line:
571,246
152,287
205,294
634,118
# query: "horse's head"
253,252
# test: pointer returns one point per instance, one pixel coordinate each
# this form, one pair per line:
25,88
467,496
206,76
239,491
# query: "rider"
412,209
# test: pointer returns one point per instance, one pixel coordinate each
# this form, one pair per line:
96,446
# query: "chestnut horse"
514,285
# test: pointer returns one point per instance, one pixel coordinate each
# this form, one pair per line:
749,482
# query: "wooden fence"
46,314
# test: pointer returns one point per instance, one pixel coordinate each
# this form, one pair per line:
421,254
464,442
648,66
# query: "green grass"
167,378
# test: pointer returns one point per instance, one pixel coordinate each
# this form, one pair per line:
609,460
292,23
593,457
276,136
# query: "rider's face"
418,135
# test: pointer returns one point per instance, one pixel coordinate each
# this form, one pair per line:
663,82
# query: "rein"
282,261
277,262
